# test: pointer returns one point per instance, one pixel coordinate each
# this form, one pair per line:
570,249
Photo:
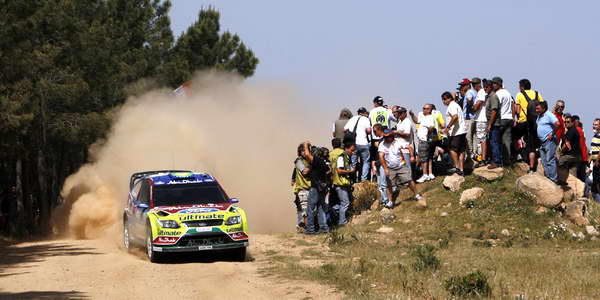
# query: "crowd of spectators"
483,126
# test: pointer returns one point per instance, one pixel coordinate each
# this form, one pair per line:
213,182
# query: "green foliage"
472,285
425,258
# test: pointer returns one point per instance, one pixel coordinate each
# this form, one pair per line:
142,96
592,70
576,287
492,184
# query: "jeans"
496,145
343,194
382,185
363,152
316,203
506,133
548,156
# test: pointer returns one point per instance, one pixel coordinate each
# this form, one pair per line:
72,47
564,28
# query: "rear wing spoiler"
137,176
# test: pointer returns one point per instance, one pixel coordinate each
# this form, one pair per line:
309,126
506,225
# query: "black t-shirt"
572,136
318,172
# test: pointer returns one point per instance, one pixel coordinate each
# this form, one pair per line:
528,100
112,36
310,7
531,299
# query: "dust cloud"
245,134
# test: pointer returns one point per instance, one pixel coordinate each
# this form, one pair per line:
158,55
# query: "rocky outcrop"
453,182
488,175
576,212
365,195
577,185
545,192
470,194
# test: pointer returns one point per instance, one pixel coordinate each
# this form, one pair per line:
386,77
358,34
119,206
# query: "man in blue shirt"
546,125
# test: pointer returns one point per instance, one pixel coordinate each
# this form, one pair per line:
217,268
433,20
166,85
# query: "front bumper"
201,242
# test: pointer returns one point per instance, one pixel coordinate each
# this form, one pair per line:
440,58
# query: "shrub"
425,258
472,285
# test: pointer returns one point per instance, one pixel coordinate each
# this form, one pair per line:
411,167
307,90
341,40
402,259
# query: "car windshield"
188,194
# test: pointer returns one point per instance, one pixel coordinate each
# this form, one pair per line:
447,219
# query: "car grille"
203,241
203,223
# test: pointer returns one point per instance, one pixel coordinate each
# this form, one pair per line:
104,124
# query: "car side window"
144,194
136,190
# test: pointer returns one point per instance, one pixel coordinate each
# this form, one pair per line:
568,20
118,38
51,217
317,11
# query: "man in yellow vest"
341,167
301,185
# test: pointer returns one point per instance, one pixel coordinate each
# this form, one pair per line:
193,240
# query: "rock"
576,212
591,230
468,226
527,230
385,229
546,193
365,195
580,235
422,203
577,185
453,182
406,221
505,232
470,194
521,166
444,214
541,210
487,174
387,216
568,194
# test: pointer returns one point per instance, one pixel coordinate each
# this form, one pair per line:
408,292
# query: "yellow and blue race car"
182,211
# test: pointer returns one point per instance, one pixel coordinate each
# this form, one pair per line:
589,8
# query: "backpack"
350,136
531,104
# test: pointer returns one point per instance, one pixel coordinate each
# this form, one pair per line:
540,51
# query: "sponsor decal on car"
234,229
198,210
201,217
169,233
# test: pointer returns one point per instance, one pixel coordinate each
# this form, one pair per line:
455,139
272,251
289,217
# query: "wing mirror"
142,205
234,200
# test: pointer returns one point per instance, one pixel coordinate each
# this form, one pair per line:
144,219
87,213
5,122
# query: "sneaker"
423,178
431,177
418,197
310,232
461,173
453,170
389,204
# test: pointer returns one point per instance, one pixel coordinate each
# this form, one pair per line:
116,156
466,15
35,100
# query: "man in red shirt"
581,168
559,108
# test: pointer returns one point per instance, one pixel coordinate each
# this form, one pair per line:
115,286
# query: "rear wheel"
153,256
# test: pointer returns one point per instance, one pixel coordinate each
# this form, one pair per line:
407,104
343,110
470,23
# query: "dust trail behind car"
245,134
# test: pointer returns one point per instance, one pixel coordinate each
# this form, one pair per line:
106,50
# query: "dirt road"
96,269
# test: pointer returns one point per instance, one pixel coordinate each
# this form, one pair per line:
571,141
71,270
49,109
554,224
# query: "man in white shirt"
395,167
457,131
404,135
470,95
506,118
360,125
481,134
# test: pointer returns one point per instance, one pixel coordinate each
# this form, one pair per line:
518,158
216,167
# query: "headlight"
168,224
234,220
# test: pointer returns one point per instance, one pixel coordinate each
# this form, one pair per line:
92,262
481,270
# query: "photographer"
319,172
341,170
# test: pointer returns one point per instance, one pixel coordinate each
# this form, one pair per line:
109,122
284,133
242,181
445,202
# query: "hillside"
502,240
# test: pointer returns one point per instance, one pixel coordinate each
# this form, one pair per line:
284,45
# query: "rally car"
182,211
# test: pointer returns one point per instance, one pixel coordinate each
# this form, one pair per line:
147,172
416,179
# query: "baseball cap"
497,80
465,81
475,80
361,110
387,132
378,100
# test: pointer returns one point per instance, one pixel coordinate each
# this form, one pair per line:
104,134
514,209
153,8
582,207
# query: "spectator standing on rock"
358,132
481,135
559,108
427,133
341,167
494,127
319,172
395,167
546,127
457,132
301,185
340,123
470,96
506,118
570,152
527,100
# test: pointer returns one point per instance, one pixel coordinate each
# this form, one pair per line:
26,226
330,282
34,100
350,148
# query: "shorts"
458,143
532,142
303,202
480,131
425,151
400,176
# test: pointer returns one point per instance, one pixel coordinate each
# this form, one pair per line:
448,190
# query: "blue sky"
343,53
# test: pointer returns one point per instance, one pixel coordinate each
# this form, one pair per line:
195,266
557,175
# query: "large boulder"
576,212
577,185
470,194
488,175
545,192
365,194
453,182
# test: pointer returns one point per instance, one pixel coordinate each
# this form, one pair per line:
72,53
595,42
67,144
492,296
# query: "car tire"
153,256
239,254
127,240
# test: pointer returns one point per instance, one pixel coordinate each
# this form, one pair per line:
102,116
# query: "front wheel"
153,256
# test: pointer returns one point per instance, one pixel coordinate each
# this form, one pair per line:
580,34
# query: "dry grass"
528,263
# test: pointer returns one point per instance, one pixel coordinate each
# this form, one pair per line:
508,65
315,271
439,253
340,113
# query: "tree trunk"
16,213
43,195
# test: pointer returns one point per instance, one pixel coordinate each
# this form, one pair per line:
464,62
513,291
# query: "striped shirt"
595,144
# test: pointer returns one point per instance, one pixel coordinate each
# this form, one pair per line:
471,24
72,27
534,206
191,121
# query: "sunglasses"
560,106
